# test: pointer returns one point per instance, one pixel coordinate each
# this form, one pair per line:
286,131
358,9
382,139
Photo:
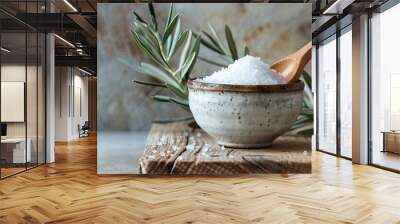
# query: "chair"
84,130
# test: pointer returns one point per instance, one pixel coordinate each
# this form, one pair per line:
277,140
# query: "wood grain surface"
178,149
70,191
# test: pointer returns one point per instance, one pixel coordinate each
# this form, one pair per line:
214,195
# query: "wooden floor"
70,191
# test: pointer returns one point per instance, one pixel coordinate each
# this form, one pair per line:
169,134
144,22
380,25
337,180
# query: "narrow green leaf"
185,49
139,18
184,103
158,74
171,9
231,42
195,51
162,98
153,16
178,92
170,28
246,51
149,83
307,112
213,62
146,48
177,33
209,45
186,66
218,39
148,39
184,118
214,42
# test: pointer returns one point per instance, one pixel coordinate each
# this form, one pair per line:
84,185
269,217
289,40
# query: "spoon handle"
303,55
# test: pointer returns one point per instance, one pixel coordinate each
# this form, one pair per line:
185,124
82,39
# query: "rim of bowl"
196,84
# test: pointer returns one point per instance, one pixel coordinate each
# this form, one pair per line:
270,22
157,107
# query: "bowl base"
245,146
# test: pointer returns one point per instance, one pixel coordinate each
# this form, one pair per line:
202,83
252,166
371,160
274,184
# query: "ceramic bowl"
245,116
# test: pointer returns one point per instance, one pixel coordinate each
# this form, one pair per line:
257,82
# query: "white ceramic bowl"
245,116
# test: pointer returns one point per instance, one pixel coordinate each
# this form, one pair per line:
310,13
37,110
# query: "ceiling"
76,22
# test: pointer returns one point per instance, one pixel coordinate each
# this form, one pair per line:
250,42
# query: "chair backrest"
86,125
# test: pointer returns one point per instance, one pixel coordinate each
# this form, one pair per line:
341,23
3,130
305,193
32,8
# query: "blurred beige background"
125,110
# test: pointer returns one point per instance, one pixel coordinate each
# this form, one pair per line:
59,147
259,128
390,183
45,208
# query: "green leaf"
214,42
178,92
161,98
146,48
148,39
305,111
184,118
246,51
139,18
213,62
170,28
153,17
149,83
172,49
158,74
171,9
218,39
195,51
185,49
209,45
231,42
186,66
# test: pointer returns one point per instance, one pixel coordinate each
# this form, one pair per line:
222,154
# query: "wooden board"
178,149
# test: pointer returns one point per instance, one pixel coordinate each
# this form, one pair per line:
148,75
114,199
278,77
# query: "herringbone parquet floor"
70,191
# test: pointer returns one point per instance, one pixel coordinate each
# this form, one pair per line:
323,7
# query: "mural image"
189,89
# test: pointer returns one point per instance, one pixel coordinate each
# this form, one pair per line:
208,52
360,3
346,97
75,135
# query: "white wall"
71,94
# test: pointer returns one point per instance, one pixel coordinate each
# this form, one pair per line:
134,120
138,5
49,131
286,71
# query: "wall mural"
250,113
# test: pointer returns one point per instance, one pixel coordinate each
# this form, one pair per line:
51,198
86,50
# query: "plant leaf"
178,92
139,18
208,45
158,74
149,83
246,51
184,118
195,52
186,67
185,49
231,42
212,62
172,49
170,28
161,98
171,9
218,39
146,48
153,16
214,42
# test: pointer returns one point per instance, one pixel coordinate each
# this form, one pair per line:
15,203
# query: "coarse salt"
247,70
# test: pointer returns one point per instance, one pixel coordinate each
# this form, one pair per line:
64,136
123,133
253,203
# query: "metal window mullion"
338,97
317,96
25,89
369,90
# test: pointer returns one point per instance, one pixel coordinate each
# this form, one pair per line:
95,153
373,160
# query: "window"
385,88
327,96
346,93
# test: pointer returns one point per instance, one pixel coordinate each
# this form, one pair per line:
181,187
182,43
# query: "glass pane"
13,89
41,98
31,98
346,94
385,84
327,96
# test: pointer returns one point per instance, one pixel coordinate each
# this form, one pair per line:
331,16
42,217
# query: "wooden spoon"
292,66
